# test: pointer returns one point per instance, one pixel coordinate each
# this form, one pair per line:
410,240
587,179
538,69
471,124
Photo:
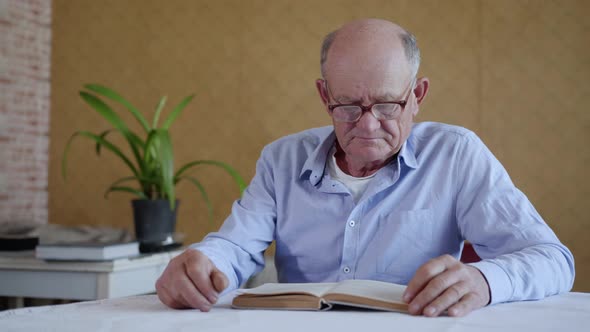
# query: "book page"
378,290
316,289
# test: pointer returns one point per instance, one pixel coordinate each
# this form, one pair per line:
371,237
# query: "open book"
368,294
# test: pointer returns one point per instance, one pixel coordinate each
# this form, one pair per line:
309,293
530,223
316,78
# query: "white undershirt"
356,186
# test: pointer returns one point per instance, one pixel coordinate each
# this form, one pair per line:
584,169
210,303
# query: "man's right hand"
191,280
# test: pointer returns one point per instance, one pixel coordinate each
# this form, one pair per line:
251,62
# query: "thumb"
220,281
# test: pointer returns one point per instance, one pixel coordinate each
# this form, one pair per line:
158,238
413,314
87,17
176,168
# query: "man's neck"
356,168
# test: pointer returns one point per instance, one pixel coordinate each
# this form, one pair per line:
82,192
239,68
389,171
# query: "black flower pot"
154,224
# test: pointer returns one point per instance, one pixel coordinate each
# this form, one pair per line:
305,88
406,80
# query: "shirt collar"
407,154
316,163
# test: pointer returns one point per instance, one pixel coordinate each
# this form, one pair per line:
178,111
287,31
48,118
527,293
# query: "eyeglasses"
383,110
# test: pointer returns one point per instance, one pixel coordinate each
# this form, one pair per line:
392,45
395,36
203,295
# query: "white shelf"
22,275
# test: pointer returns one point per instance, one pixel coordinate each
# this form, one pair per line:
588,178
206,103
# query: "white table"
568,312
22,275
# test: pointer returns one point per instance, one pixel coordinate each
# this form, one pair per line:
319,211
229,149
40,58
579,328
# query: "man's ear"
321,86
421,89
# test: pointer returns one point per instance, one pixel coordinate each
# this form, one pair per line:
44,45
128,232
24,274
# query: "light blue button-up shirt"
444,187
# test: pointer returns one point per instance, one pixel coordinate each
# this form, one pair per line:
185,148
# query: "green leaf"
112,117
102,135
150,149
135,139
167,164
176,112
230,170
111,94
203,194
158,110
152,163
117,182
139,193
108,145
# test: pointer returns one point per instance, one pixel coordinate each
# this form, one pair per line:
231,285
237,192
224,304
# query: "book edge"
365,302
278,302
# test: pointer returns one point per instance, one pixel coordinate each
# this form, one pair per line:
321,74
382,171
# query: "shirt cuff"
222,265
501,288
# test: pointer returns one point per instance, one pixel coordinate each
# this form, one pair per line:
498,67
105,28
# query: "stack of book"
87,251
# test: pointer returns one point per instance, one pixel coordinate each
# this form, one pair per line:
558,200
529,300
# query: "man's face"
370,140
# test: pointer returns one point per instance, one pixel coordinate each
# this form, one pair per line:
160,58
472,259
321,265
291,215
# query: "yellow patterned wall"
513,71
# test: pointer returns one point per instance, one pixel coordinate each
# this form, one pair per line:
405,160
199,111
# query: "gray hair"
409,43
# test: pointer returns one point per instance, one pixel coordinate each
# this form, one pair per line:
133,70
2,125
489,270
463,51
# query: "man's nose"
368,121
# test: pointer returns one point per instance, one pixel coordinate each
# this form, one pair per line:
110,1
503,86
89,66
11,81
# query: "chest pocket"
405,242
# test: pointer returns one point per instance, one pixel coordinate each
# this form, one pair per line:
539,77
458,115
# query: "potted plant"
153,177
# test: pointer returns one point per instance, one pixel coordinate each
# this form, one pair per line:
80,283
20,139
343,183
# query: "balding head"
373,37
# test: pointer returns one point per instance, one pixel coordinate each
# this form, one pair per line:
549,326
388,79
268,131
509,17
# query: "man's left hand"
444,283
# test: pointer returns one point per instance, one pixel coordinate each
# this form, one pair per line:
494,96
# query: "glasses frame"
369,107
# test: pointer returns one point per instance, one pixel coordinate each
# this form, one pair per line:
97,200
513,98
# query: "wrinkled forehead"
367,66
363,81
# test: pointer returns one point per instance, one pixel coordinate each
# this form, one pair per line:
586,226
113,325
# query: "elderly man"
376,196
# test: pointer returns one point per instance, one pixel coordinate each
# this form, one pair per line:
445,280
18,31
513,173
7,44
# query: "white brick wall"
25,49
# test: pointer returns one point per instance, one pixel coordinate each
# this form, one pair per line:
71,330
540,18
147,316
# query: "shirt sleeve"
522,259
237,249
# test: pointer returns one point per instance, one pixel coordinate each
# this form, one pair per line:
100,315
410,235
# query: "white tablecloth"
568,312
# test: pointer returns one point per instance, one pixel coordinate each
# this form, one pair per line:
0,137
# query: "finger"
201,279
466,305
166,294
191,296
196,301
220,281
449,297
169,301
435,288
424,274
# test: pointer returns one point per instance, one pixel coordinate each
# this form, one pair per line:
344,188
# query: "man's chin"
372,145
372,154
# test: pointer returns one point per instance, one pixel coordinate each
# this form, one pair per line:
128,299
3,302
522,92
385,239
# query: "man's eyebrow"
347,100
376,98
387,97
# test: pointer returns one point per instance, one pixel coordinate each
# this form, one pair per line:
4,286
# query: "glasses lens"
386,111
347,113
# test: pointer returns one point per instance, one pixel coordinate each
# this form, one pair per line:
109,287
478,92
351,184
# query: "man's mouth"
367,138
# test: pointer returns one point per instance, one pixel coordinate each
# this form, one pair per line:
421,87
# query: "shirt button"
346,269
351,223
